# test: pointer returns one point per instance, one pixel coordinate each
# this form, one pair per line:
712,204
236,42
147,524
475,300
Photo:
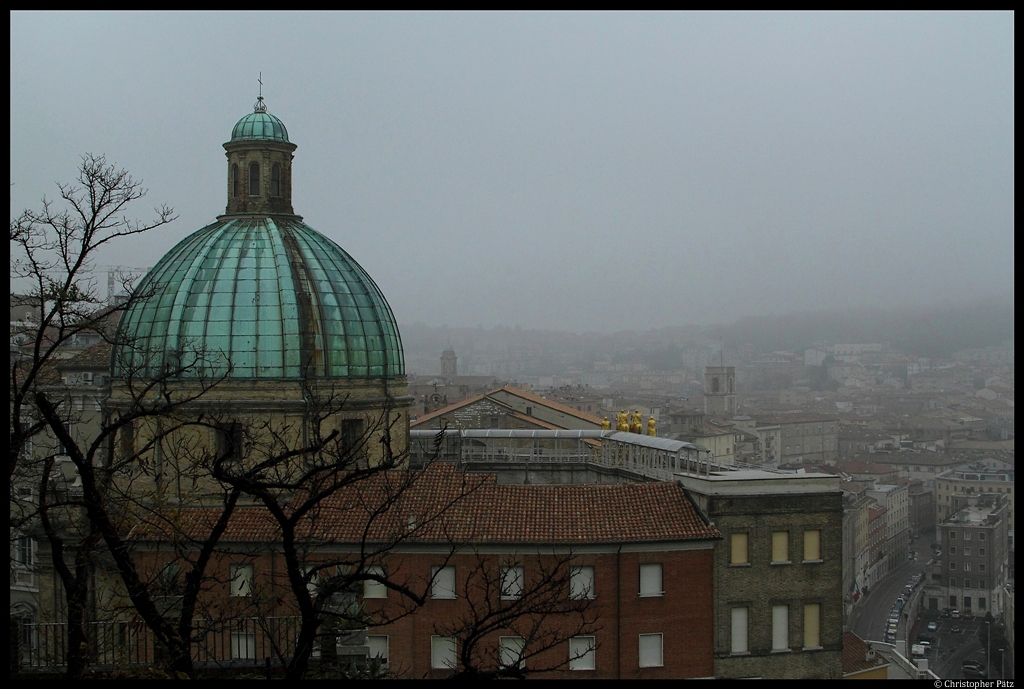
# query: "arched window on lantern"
254,179
234,181
275,180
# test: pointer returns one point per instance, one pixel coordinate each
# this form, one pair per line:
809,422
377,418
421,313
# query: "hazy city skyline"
584,172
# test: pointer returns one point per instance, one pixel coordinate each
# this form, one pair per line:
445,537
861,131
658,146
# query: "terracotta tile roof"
445,505
446,410
557,406
855,655
94,358
528,396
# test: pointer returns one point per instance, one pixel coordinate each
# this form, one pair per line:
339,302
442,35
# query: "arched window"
234,181
254,179
275,180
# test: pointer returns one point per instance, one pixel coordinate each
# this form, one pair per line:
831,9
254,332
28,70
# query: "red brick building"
641,554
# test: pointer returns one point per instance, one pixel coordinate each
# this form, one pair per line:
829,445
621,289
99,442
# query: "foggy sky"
565,171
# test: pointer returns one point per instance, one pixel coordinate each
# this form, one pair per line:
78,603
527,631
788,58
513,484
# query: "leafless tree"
52,251
528,601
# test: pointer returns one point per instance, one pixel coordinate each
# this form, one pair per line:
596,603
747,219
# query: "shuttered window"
780,627
812,545
739,548
739,630
812,625
780,546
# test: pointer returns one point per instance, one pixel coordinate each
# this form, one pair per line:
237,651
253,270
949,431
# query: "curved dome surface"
259,126
270,295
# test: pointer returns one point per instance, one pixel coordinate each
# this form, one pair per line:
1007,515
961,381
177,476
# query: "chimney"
869,655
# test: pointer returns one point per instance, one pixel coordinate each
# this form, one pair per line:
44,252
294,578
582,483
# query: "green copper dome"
270,296
259,126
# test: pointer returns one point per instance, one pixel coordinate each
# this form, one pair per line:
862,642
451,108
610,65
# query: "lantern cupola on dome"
259,294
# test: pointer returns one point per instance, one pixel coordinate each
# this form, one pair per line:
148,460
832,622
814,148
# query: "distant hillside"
935,332
928,332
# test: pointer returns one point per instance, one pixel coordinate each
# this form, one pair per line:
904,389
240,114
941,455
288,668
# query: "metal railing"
239,642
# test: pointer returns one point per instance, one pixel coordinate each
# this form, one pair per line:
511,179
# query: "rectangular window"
967,566
25,551
981,568
967,535
351,436
812,545
952,601
981,583
583,653
738,552
241,580
812,625
650,580
952,550
981,552
967,552
780,627
739,630
981,604
967,583
442,582
442,653
952,535
952,582
374,589
511,583
650,650
378,645
981,536
230,440
581,582
510,651
243,646
780,546
952,566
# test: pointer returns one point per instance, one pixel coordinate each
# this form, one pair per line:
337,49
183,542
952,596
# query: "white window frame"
651,580
243,576
379,646
512,580
510,651
780,628
583,653
651,650
738,632
581,582
375,589
243,645
443,653
442,582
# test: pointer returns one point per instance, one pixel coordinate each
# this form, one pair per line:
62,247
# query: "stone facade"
760,586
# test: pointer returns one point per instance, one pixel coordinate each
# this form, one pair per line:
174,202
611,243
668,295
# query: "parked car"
972,669
968,615
944,614
933,626
956,629
955,614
